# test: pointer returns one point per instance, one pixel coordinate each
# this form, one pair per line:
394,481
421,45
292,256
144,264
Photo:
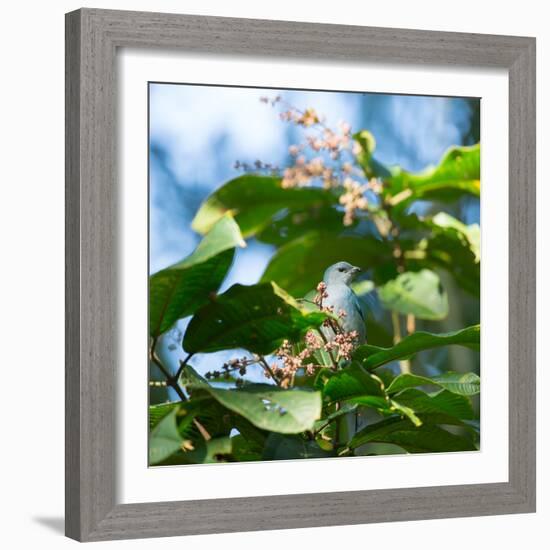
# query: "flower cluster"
353,199
303,171
307,118
321,295
343,344
327,157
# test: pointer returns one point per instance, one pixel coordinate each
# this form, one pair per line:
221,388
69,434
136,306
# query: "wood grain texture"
92,37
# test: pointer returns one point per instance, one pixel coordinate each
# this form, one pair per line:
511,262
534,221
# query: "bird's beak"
356,270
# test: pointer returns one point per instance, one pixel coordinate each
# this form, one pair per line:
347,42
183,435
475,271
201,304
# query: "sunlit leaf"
164,439
254,200
271,408
457,173
417,293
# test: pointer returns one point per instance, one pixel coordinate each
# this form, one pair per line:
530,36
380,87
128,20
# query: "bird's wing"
359,306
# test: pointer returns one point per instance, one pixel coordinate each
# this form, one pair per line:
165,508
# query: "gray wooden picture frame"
92,39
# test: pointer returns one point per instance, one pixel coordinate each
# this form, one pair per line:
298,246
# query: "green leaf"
279,447
254,200
422,439
175,292
350,382
271,408
443,402
213,451
418,293
457,173
164,439
295,223
257,318
444,242
245,451
158,412
210,452
374,356
299,265
471,232
460,383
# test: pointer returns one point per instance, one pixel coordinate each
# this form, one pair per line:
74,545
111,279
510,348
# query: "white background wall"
31,218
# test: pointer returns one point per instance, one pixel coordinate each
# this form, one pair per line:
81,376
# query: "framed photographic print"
300,275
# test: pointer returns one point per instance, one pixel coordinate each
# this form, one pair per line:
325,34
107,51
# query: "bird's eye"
341,269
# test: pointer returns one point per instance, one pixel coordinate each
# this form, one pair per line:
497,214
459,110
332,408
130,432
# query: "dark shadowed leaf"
212,451
350,382
281,447
175,292
374,356
422,439
456,382
417,293
257,318
443,402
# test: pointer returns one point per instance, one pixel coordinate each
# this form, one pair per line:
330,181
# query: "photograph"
314,274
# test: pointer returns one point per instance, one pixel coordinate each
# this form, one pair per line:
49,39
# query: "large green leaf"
284,447
456,382
254,200
350,382
257,318
180,289
158,412
426,438
296,222
443,402
271,408
444,242
300,264
374,356
213,451
418,293
457,173
371,167
164,439
471,233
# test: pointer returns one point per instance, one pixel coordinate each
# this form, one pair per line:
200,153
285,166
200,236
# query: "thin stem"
334,364
411,323
172,381
268,369
405,365
182,366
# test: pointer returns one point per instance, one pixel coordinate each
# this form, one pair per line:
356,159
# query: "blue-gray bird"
338,278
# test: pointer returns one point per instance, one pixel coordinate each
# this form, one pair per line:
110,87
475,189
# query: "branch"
170,380
268,369
173,382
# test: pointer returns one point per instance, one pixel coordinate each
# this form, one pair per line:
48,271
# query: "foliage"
334,202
